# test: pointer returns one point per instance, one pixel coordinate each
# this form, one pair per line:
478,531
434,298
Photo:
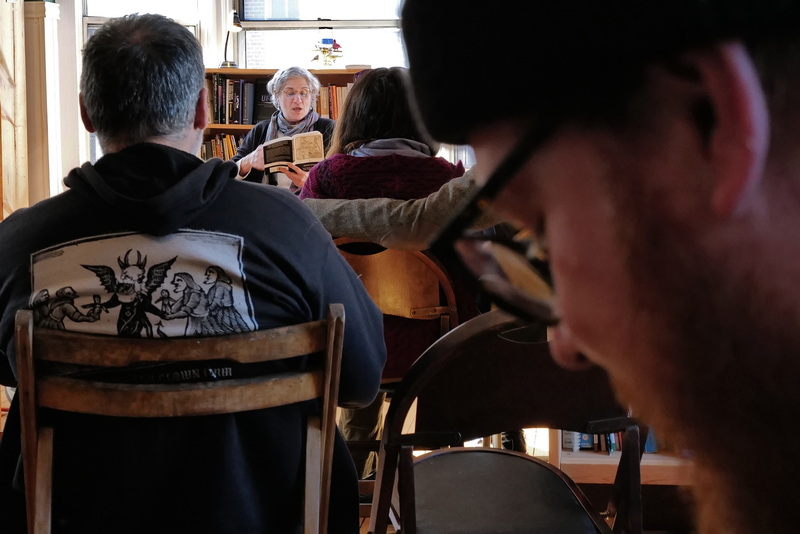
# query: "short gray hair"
278,82
142,76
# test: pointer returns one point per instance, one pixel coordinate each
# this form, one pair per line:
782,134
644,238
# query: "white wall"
74,138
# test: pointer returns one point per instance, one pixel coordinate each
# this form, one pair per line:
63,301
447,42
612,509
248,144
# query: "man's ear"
201,110
87,122
739,138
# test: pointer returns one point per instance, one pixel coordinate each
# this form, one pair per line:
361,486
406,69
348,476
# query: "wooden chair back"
404,283
37,388
411,284
491,374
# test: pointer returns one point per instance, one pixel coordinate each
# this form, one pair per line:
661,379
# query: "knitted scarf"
279,126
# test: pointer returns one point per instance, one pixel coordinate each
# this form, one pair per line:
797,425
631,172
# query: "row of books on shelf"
608,443
331,100
222,146
240,101
237,101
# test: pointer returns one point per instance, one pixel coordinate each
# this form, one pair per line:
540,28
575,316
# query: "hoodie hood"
155,188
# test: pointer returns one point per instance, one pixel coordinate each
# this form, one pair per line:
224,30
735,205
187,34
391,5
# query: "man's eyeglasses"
512,270
304,95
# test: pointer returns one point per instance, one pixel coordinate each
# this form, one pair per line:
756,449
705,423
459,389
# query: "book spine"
651,443
611,440
236,107
211,100
231,147
219,115
333,101
216,147
249,102
570,441
586,442
229,101
323,103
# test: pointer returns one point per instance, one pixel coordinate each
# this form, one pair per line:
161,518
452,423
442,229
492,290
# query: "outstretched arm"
399,224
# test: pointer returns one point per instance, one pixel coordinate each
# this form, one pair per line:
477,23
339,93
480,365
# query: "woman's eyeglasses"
304,95
512,270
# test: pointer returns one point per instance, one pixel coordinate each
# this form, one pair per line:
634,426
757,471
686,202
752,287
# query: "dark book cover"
263,107
248,102
586,441
219,84
236,103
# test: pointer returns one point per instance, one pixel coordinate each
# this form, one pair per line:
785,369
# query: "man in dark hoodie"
150,217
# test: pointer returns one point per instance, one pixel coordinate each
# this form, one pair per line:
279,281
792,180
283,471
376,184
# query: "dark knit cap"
471,63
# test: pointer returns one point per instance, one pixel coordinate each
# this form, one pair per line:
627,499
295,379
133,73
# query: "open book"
304,150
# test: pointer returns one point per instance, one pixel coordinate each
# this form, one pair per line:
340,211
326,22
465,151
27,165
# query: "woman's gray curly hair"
278,82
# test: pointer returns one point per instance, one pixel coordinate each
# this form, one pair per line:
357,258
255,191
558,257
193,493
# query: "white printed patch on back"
188,283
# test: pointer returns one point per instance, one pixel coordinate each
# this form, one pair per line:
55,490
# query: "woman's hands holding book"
254,160
295,174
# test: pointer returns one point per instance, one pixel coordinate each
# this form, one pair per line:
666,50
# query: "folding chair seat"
488,375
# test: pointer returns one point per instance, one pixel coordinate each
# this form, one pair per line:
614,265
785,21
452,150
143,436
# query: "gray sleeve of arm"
400,224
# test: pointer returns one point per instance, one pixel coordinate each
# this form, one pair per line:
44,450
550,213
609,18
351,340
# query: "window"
280,33
312,10
175,9
275,49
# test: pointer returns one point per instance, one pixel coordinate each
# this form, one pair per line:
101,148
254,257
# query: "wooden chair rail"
171,400
250,347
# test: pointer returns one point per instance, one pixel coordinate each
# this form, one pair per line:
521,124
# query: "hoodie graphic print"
136,285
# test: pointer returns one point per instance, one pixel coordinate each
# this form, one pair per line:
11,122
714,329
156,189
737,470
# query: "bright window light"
175,9
315,9
275,49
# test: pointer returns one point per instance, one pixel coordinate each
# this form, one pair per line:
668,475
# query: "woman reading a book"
294,92
378,150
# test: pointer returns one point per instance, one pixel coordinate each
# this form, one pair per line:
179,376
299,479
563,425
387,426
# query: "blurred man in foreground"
654,160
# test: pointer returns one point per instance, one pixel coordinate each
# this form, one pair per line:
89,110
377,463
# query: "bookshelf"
327,78
224,131
590,467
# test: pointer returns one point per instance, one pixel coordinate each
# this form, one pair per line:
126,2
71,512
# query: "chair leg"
624,512
405,482
42,504
384,488
313,478
365,487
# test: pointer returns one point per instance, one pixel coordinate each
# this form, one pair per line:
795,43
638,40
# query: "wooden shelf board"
255,73
600,468
211,128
